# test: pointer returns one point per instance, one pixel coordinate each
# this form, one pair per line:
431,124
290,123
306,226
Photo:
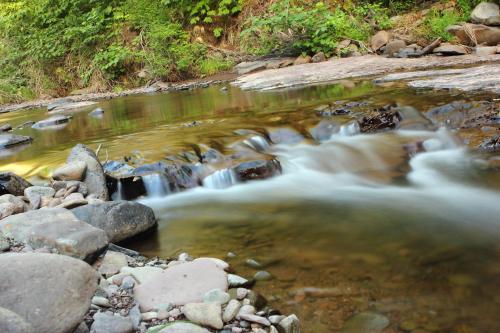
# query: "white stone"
208,314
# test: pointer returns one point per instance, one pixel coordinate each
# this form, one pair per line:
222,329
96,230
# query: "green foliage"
213,65
436,22
205,11
306,28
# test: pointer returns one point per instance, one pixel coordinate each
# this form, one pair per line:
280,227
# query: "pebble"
174,313
207,314
246,309
128,282
232,309
276,319
236,281
236,329
253,263
184,257
135,316
101,301
216,296
109,323
241,293
291,324
262,276
118,278
231,255
148,316
255,319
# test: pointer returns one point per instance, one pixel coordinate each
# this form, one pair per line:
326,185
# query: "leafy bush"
304,28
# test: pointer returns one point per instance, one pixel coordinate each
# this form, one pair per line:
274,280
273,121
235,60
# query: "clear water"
371,228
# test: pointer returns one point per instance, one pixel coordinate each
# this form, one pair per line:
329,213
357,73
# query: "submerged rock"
119,219
255,170
366,322
10,183
94,174
5,128
51,292
56,229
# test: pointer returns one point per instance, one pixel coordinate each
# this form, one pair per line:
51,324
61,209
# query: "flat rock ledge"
343,68
485,78
124,292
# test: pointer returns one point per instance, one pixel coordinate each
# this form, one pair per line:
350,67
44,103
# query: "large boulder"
56,229
380,39
181,284
11,322
94,176
10,183
119,219
486,13
50,292
483,34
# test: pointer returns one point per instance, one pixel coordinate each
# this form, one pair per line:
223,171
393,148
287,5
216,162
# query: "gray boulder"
51,292
119,219
10,183
54,122
56,229
94,176
11,322
393,47
73,171
12,140
486,13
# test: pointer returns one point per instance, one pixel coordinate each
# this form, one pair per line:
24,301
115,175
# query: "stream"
355,222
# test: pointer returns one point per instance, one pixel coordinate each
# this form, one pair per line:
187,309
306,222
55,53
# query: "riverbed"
357,222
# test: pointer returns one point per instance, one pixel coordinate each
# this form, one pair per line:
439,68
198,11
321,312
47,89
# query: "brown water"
414,239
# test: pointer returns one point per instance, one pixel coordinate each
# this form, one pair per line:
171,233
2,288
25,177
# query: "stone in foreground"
119,219
183,328
49,291
181,284
206,314
56,229
111,323
94,176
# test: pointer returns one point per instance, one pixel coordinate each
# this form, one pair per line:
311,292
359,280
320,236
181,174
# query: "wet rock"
318,57
450,49
491,145
286,136
262,276
56,229
291,324
73,171
60,285
180,284
207,314
237,281
11,322
181,327
231,310
301,60
482,34
5,128
54,122
119,219
111,323
380,39
394,47
332,110
94,175
379,121
255,170
463,114
365,322
12,140
256,300
112,263
486,13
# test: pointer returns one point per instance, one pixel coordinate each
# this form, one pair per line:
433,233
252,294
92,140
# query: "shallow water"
368,227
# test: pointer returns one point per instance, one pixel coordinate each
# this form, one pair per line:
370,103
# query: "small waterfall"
156,185
349,129
220,179
258,143
118,195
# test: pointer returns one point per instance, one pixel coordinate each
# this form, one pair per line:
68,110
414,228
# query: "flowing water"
355,223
